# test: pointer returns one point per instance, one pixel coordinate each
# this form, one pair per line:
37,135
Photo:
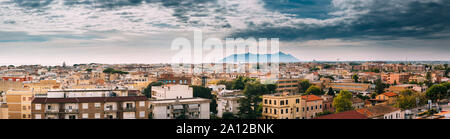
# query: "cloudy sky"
49,32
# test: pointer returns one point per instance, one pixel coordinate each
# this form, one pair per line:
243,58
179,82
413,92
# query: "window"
97,105
297,101
287,102
24,107
97,115
85,105
307,108
270,101
85,115
265,101
281,111
24,116
282,102
142,114
37,116
275,111
287,110
274,102
37,106
24,98
320,106
142,103
297,109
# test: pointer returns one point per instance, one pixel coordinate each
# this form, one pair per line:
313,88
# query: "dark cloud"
384,20
318,9
32,3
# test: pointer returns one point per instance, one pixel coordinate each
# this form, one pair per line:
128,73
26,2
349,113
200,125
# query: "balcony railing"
71,110
129,109
51,111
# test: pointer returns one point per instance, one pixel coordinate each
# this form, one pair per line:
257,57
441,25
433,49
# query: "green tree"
148,90
303,86
314,90
228,84
379,86
407,99
343,101
271,88
355,78
204,92
249,105
330,91
323,113
240,82
446,72
438,91
228,115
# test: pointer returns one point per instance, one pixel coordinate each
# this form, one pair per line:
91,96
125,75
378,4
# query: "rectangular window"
282,102
142,114
142,104
37,116
97,115
85,115
287,102
37,106
270,101
297,101
265,101
97,105
85,105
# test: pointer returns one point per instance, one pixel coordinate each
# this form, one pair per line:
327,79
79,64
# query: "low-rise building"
186,108
172,91
228,103
123,107
382,112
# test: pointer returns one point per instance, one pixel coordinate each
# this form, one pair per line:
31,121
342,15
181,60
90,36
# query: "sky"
50,32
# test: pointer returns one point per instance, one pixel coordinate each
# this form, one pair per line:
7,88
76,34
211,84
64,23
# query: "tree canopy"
314,90
303,86
343,101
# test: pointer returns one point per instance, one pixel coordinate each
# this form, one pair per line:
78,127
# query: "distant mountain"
253,58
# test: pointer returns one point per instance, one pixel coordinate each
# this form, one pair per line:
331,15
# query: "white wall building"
192,108
172,92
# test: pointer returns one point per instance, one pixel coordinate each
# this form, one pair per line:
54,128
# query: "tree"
323,113
446,72
249,105
379,86
407,99
438,91
148,90
343,101
355,78
303,86
240,82
362,97
228,84
228,115
330,91
271,88
428,81
314,90
204,92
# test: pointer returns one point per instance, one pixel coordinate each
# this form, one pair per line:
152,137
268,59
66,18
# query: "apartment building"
172,91
121,107
311,105
6,85
287,85
186,108
281,106
3,111
19,104
228,103
382,112
43,86
395,78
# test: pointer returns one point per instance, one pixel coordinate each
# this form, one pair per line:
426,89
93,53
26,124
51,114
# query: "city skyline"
50,32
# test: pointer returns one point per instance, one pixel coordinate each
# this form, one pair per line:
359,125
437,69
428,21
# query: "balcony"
71,111
51,111
127,109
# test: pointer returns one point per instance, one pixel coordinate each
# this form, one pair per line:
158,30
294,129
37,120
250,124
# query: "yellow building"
43,86
288,106
3,111
8,85
388,96
19,104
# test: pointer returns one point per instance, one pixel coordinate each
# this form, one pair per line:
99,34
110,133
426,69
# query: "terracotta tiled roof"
351,114
378,110
390,94
311,97
89,99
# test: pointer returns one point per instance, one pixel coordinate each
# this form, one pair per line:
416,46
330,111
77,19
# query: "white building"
191,108
228,104
172,92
